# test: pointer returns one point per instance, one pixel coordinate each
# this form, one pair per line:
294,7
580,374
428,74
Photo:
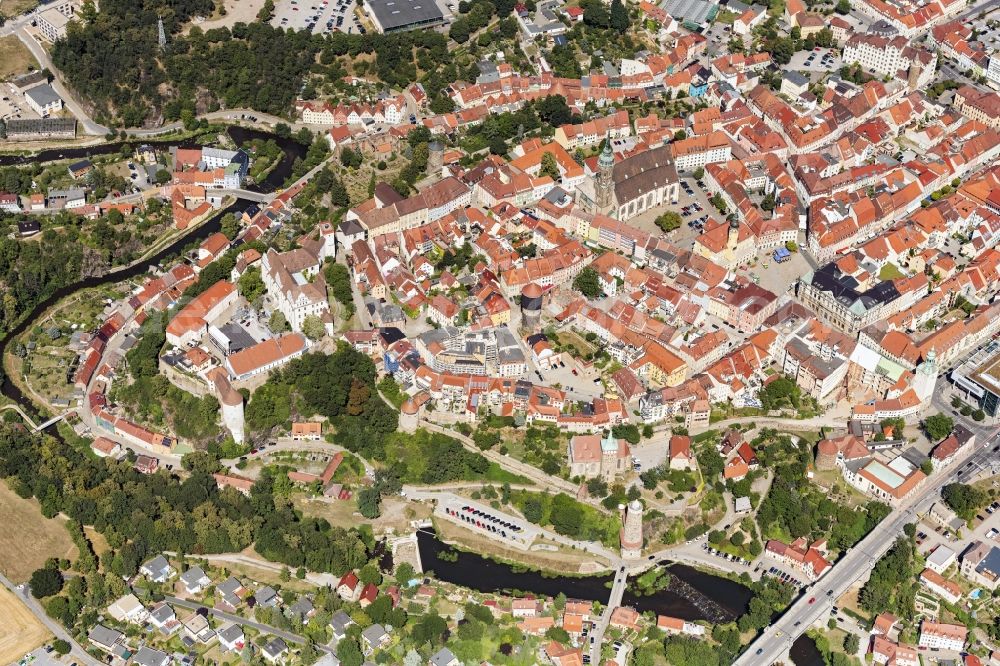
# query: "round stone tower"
409,416
435,157
230,403
531,305
826,455
631,536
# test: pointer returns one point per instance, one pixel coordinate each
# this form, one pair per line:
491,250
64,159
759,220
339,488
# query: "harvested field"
29,538
20,631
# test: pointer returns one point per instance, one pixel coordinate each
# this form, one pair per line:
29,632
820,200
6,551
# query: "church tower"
925,377
605,183
734,234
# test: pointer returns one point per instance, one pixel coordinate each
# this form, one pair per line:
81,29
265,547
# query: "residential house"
680,452
128,609
302,609
936,583
525,607
162,617
195,580
981,564
940,636
231,638
940,559
147,656
275,650
885,651
197,628
444,657
157,570
675,625
230,594
266,597
105,639
374,637
349,587
339,624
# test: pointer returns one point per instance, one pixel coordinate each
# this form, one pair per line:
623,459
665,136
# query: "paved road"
86,122
57,629
259,197
774,643
597,632
236,619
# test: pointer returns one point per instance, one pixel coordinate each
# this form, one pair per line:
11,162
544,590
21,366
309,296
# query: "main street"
597,632
816,601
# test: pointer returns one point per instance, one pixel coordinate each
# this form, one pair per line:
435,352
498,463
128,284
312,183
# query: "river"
275,179
479,573
239,134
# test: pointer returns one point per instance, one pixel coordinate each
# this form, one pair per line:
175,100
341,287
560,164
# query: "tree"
767,203
779,393
368,503
266,12
442,104
964,500
938,426
927,467
460,30
277,323
699,173
532,510
229,226
61,647
349,652
587,283
843,7
45,582
619,17
338,193
251,286
405,572
162,177
313,327
669,221
550,167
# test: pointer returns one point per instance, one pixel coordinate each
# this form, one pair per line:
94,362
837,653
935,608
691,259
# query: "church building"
632,186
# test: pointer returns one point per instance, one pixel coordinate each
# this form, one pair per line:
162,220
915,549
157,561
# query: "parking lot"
817,61
683,237
13,106
41,657
321,17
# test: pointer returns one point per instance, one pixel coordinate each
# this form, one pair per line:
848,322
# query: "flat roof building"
52,22
979,378
401,15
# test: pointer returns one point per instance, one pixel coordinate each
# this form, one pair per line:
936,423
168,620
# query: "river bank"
487,575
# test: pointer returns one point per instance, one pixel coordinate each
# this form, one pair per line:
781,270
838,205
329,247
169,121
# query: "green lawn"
890,272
